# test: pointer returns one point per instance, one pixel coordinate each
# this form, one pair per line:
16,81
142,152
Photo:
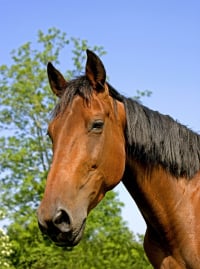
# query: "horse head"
87,134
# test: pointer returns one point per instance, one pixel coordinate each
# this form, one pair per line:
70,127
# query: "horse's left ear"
95,71
56,80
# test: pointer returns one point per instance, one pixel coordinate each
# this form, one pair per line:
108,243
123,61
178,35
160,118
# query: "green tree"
25,155
26,102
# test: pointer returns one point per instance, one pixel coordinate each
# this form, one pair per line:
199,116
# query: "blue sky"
152,45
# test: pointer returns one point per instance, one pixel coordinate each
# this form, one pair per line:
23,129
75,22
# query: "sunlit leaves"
6,247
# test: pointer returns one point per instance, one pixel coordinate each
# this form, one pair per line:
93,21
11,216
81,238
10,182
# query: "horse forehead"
96,104
79,109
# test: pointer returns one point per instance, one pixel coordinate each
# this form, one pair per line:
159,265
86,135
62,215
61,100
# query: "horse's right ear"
95,71
56,80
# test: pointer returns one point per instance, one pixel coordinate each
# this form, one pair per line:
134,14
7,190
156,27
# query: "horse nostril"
62,221
43,227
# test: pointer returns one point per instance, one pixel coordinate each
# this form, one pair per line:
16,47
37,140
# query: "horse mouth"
67,239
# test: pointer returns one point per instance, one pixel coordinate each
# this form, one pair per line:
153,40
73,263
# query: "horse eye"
97,126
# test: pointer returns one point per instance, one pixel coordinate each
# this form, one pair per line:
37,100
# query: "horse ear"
56,80
95,71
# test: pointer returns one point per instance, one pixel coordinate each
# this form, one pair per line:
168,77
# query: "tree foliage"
25,155
26,102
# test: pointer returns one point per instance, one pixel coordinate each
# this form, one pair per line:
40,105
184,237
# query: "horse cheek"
115,167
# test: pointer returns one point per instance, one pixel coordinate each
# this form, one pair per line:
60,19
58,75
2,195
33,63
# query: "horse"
100,137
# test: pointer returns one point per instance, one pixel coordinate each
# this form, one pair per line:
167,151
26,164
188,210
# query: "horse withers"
100,138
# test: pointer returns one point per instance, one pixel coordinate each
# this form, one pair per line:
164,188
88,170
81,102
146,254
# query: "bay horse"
100,138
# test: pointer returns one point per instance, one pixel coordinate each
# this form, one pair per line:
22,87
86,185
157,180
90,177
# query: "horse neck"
151,187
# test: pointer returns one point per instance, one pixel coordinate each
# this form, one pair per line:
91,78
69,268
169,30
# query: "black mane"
152,138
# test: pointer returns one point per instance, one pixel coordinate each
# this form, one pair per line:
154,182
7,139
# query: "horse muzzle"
61,228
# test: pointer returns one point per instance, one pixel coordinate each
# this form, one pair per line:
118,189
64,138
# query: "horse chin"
69,239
